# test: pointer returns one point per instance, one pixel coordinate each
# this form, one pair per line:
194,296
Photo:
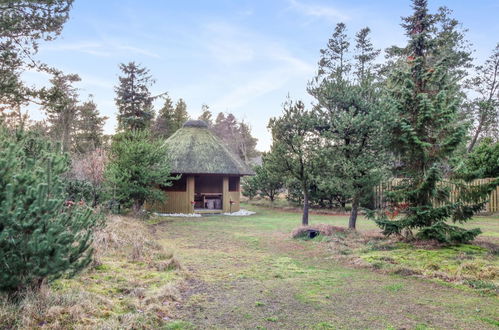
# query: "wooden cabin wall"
235,196
176,201
180,201
226,197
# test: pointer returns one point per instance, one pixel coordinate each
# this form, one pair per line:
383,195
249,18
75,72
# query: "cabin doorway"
208,193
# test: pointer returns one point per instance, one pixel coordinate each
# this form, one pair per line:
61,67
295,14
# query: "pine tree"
294,151
23,25
351,119
267,181
236,135
89,127
424,98
164,125
60,103
248,187
180,115
138,166
226,129
41,236
133,98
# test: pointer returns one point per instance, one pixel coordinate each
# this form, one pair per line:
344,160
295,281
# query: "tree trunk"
353,214
137,206
304,219
475,137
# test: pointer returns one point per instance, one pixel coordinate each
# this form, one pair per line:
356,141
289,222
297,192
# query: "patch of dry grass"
321,228
133,283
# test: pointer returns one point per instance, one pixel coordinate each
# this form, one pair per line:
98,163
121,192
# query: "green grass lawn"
246,272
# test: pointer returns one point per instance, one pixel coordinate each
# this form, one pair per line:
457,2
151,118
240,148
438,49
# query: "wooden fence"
492,205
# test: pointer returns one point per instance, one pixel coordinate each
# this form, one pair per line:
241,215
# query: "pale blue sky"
237,56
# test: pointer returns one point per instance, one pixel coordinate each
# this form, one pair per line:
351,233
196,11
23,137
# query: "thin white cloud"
318,11
106,48
277,65
227,44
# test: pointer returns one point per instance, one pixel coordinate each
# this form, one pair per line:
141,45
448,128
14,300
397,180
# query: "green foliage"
41,236
133,98
236,135
60,104
89,128
483,161
295,145
138,166
249,188
267,181
423,97
79,190
180,115
23,24
164,125
325,192
351,119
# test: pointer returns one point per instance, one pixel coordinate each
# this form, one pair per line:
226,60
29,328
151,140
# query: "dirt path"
246,273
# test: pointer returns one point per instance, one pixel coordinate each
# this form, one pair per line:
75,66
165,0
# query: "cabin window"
178,185
234,183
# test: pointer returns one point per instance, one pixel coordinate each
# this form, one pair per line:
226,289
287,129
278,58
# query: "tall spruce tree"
60,103
41,236
180,115
164,125
351,118
424,98
89,127
133,98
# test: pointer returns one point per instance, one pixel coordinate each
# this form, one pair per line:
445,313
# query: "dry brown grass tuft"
323,229
49,309
132,239
123,234
170,264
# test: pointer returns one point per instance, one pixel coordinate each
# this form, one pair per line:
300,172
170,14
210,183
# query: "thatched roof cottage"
210,173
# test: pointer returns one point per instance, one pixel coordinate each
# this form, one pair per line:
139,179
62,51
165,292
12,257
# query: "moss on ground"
471,265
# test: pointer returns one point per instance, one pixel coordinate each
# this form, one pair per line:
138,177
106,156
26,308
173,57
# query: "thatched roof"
195,149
